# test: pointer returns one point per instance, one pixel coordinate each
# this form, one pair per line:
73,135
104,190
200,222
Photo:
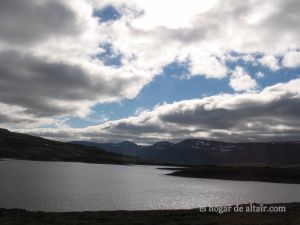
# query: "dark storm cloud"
35,83
286,108
5,119
8,119
30,21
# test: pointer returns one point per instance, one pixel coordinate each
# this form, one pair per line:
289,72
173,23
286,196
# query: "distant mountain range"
201,152
187,152
27,147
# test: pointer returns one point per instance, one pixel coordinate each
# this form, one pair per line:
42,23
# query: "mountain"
203,152
27,147
124,148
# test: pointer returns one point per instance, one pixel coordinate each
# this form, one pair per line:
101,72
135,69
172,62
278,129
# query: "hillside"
266,174
27,147
203,152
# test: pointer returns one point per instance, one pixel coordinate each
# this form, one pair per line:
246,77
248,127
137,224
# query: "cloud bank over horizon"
62,59
271,114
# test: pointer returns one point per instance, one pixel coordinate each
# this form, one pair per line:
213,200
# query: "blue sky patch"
109,57
108,13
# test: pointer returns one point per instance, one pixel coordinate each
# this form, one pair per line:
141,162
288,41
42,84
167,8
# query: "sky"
147,71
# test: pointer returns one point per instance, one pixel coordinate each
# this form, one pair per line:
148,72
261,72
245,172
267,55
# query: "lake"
62,186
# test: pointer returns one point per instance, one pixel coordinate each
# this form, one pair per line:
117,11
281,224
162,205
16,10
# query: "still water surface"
62,186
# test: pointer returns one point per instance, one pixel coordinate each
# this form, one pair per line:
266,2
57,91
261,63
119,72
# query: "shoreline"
291,216
289,175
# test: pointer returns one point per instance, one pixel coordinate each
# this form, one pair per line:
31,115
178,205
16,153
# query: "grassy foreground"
155,217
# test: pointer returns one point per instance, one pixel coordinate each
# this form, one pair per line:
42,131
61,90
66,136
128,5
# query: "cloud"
207,34
210,29
15,118
54,63
46,88
209,67
50,62
270,61
242,81
291,59
28,22
271,114
260,75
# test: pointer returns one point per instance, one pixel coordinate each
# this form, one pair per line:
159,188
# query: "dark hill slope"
27,147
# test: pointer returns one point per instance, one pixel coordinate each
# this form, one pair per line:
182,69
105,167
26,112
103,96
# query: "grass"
155,217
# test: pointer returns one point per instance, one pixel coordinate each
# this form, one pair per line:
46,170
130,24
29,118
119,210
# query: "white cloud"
209,67
240,80
270,61
161,13
206,34
158,16
140,110
291,59
260,75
